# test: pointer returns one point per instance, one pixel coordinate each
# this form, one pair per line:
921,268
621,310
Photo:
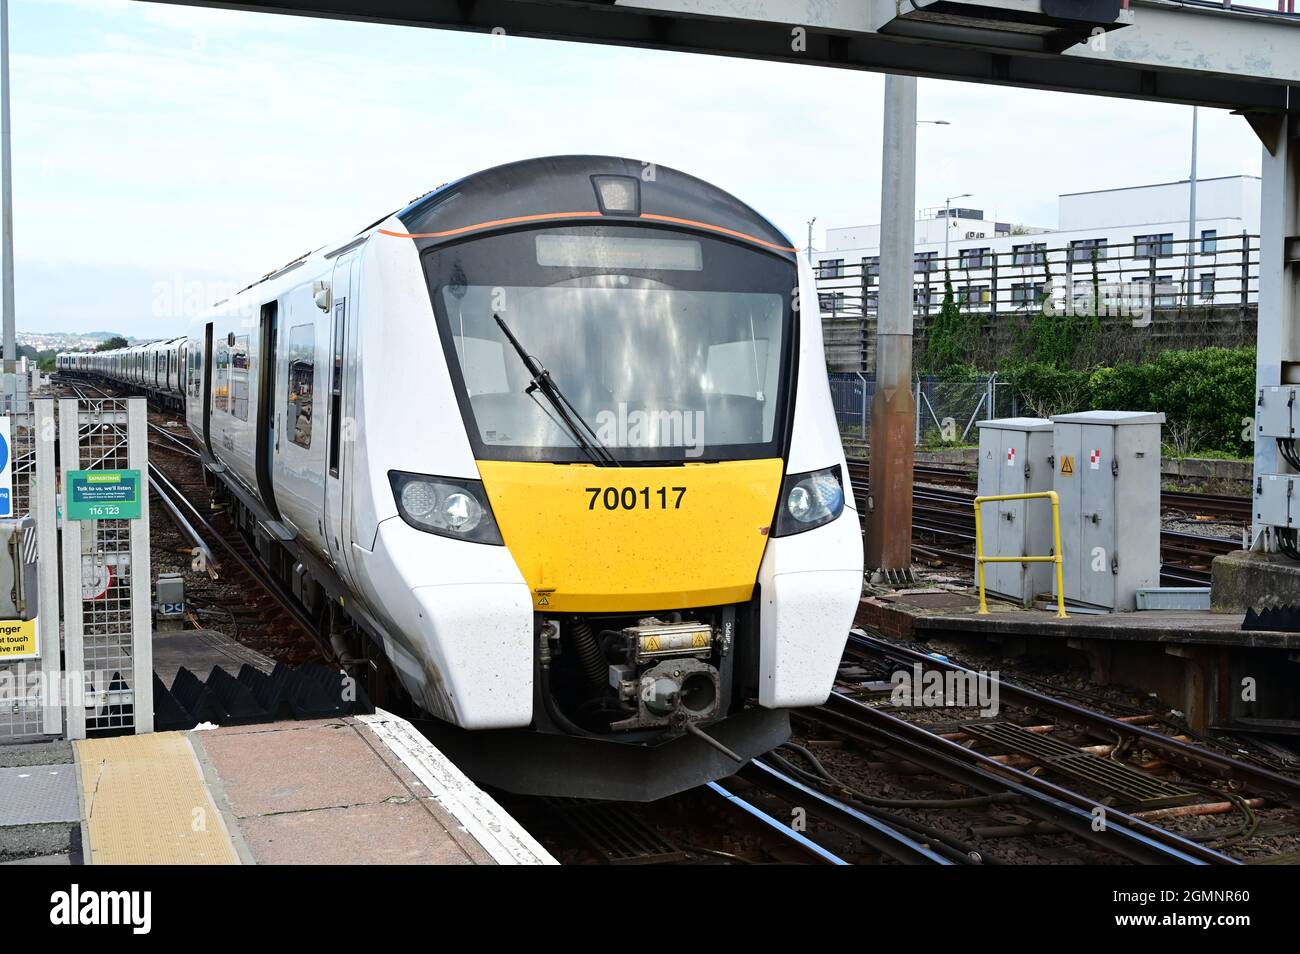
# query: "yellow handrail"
981,559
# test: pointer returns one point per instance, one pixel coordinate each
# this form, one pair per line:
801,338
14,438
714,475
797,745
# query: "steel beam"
1168,52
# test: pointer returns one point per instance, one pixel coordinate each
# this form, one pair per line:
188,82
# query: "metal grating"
21,707
1128,784
107,631
614,833
105,573
38,794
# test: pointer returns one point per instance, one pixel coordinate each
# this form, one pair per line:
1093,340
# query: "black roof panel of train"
560,186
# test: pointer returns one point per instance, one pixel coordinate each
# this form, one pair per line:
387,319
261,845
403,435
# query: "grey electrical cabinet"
1107,475
1277,413
1276,503
1016,458
18,596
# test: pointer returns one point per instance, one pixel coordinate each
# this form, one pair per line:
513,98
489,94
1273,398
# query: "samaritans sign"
102,495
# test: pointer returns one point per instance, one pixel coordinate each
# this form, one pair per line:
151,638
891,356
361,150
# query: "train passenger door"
207,388
341,432
267,434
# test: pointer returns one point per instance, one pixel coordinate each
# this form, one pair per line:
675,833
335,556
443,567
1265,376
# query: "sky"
166,155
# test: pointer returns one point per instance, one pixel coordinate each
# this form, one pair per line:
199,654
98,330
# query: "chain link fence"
947,411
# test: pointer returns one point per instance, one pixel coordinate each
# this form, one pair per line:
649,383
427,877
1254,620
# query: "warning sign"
1011,457
1067,465
1094,460
17,638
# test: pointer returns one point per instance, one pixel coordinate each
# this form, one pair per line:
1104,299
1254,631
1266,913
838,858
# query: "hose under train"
589,654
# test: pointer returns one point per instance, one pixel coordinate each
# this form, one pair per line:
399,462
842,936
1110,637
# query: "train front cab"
693,565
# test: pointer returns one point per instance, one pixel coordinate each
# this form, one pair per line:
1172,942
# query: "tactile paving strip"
146,803
38,794
1132,786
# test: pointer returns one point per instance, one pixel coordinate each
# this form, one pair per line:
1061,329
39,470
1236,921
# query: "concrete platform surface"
918,613
365,790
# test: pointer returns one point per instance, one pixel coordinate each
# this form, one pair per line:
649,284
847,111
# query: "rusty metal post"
893,410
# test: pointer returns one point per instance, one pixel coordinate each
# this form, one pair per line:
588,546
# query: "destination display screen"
619,252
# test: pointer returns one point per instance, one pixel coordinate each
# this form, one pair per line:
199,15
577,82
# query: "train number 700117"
636,498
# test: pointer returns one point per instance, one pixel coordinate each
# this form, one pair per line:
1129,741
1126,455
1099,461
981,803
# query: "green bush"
951,335
1045,390
1205,394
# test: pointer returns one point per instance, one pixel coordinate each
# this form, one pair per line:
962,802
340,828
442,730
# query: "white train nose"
467,636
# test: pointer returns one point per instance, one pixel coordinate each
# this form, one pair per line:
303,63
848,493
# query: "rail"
1126,835
1054,557
1252,778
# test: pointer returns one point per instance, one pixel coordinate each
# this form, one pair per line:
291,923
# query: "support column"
43,506
1277,357
893,410
6,206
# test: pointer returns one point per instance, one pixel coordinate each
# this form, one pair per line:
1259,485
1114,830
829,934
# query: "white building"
1132,237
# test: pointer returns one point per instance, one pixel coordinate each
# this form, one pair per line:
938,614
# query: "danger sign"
1094,460
18,639
1011,457
1067,465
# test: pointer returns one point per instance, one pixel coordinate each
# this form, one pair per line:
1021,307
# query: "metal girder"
1181,52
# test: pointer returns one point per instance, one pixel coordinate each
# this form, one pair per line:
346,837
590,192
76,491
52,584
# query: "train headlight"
809,500
418,498
448,506
462,512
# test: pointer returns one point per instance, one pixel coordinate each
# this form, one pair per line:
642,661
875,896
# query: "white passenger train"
555,442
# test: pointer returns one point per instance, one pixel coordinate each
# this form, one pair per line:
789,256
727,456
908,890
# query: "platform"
908,613
1194,661
358,790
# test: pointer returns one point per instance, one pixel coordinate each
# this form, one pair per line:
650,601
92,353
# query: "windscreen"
662,346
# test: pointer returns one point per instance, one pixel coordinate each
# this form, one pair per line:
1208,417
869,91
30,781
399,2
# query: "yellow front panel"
674,537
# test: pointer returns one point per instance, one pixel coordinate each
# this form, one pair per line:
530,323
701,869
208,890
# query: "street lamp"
947,221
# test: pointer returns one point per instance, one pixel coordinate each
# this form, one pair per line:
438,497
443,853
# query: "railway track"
1160,793
943,521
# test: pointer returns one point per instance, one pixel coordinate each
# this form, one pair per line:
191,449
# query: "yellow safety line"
1054,557
146,803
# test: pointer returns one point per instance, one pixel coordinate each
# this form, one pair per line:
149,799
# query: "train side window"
336,385
221,376
302,383
239,378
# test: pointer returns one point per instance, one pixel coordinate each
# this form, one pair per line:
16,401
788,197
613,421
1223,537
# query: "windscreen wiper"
573,421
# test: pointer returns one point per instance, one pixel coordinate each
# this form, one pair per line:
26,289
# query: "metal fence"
1202,274
107,631
947,410
23,710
